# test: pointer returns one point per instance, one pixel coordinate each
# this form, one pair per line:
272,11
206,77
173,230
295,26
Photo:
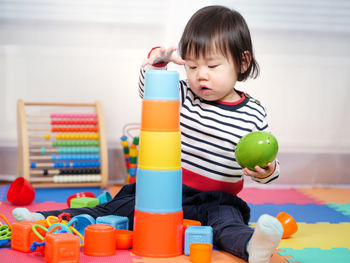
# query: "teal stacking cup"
161,85
158,191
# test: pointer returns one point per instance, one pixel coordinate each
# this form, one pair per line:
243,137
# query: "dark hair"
223,28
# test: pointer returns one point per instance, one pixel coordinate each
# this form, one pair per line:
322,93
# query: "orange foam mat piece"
320,235
218,257
328,195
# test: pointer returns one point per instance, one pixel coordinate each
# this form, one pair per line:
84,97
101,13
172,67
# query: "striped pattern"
210,132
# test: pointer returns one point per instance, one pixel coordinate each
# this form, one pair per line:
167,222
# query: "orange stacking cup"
158,234
100,240
124,238
160,115
288,223
201,252
189,222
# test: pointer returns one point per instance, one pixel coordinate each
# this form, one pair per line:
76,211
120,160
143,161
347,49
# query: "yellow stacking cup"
160,150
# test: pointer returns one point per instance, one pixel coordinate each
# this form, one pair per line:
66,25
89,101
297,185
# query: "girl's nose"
202,73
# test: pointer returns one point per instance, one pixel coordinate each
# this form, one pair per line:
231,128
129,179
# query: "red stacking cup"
21,192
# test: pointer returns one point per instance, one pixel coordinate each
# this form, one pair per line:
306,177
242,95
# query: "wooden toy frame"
24,155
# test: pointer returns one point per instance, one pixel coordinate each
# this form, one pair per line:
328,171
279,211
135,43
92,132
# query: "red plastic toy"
21,192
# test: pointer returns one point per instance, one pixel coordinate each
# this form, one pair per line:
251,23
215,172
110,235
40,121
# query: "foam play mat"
322,216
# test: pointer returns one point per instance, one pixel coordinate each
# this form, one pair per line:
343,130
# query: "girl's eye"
213,66
192,67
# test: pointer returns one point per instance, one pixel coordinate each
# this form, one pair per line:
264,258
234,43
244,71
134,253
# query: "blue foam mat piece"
3,192
308,213
59,195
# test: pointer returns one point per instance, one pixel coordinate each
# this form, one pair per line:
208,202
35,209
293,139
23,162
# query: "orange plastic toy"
22,236
124,238
201,252
154,238
62,247
289,225
100,240
189,222
160,115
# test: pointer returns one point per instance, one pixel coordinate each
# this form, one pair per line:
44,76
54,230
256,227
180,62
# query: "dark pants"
227,214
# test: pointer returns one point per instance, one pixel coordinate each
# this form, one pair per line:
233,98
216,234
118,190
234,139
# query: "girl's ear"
246,58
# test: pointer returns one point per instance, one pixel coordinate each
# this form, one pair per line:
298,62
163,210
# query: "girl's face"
213,77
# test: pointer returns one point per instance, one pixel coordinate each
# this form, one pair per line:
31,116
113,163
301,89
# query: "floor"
322,215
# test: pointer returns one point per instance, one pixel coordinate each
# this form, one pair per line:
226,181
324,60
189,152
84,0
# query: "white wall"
91,50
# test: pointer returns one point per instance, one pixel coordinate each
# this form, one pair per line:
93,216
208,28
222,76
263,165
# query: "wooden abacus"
62,149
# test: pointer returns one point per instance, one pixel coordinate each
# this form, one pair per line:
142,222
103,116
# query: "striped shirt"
210,131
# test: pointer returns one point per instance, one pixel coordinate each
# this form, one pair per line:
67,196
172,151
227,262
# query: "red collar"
235,102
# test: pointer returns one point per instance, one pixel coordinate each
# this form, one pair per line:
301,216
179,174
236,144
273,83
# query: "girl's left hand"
260,173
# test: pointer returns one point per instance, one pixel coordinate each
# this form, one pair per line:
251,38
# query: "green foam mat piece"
316,255
341,208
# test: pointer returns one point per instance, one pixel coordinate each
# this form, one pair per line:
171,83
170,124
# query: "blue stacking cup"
158,191
162,85
80,222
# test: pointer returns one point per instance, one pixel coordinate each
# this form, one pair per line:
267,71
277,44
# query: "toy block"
84,202
62,247
188,222
118,222
22,236
197,234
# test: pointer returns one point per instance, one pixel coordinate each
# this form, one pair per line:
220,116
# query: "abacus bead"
42,150
136,140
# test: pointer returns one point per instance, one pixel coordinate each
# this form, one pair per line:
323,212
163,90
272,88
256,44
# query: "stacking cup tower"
158,205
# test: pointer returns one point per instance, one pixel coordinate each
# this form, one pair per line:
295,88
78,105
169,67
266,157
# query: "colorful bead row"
69,122
73,150
74,171
74,129
75,143
75,157
70,164
76,178
73,115
81,136
81,171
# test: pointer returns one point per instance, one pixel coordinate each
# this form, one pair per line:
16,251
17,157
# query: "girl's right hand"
163,55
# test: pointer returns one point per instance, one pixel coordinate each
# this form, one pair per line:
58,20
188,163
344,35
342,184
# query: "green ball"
256,148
